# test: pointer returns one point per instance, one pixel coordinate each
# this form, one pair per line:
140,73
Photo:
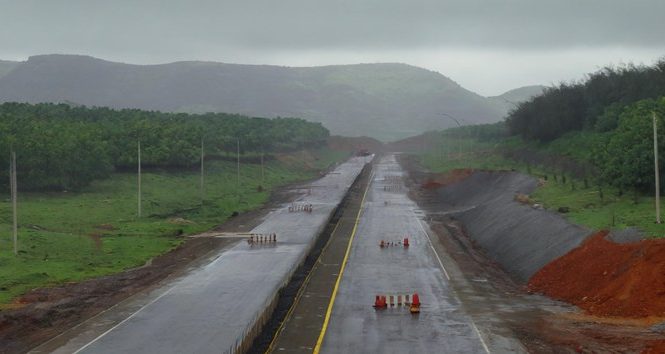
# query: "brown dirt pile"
608,279
655,347
435,181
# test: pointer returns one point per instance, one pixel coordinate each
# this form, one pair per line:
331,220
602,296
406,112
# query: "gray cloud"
150,31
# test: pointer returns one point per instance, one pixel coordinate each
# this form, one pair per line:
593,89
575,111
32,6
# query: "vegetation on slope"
604,122
384,101
585,198
591,104
63,147
77,183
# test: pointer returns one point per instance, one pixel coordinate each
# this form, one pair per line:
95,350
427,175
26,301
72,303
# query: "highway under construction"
354,262
362,300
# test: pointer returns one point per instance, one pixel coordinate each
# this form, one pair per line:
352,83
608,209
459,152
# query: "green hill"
385,101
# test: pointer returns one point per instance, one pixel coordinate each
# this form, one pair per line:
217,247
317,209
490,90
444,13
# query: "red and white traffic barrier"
404,242
262,239
410,301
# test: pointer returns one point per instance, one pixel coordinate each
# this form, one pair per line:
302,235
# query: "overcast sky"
488,46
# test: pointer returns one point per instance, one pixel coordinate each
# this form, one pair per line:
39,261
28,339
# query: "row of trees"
624,156
64,147
621,157
593,104
483,132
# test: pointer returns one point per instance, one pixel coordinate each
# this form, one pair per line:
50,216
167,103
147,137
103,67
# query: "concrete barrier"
252,332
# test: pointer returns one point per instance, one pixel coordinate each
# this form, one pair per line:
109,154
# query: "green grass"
449,154
613,212
55,242
584,202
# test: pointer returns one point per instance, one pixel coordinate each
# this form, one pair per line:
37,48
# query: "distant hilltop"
383,101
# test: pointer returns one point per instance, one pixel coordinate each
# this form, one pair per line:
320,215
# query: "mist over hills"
384,101
508,100
7,66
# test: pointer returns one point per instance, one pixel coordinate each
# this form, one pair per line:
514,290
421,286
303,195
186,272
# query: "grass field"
69,236
584,202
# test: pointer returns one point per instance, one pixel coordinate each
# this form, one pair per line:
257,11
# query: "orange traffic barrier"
380,302
404,242
398,301
415,304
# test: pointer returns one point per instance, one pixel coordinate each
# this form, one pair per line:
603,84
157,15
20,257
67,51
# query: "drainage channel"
290,293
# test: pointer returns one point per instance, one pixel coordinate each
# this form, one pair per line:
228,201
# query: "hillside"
7,66
385,101
508,100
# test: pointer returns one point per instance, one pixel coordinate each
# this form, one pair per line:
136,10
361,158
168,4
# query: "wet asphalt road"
355,326
209,309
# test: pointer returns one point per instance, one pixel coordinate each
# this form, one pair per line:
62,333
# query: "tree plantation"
590,105
605,121
59,146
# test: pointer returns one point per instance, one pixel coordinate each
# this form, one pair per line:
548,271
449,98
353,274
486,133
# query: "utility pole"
202,158
262,170
139,177
424,143
655,163
14,197
459,135
238,169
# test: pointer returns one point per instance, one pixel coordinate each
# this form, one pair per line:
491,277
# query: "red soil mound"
608,279
441,180
655,347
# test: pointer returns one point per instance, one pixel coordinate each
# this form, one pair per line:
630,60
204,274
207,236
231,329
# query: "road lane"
356,327
210,309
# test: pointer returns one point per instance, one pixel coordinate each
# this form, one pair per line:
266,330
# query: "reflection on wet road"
209,309
355,326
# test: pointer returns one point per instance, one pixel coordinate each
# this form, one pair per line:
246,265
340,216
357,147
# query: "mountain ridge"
382,100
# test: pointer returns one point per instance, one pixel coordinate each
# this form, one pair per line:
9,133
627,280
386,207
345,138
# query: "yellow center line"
301,291
326,320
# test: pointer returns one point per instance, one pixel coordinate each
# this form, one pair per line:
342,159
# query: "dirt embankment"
602,277
518,236
531,241
605,278
436,181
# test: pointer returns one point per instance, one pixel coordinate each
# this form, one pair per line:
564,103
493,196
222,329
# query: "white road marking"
473,324
432,246
123,321
480,335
